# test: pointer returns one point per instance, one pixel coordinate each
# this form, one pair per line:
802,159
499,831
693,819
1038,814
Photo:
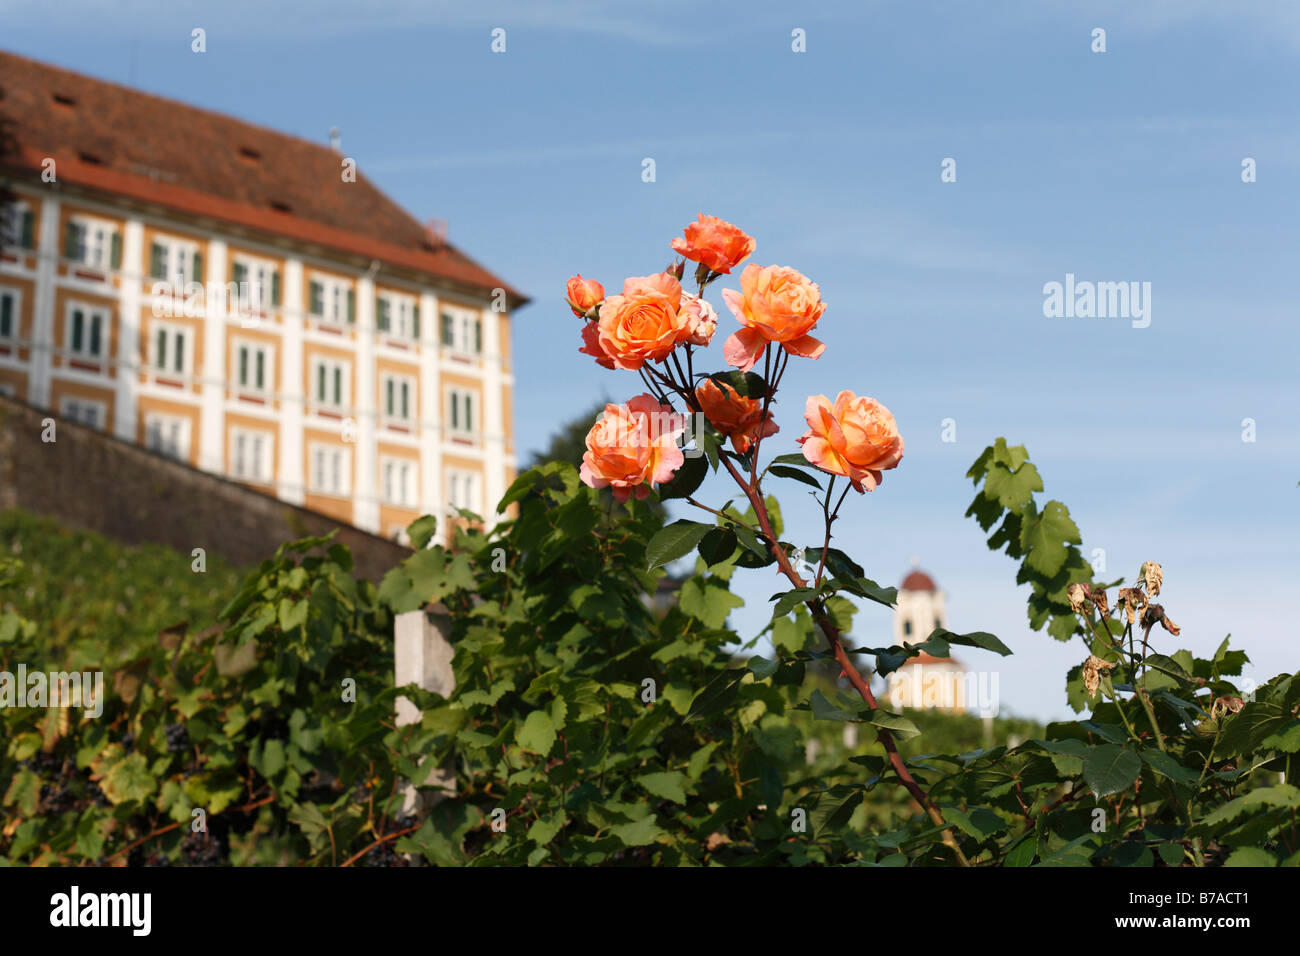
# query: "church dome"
918,581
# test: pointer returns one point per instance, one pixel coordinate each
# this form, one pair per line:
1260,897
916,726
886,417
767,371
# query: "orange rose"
701,320
774,304
856,437
591,345
738,418
632,447
715,243
644,323
584,294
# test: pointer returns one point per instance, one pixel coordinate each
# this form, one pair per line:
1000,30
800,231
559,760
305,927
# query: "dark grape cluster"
202,849
178,739
384,855
127,741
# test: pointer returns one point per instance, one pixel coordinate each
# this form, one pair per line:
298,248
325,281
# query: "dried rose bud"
677,269
1100,602
1169,625
1225,705
1092,669
716,840
1132,600
1153,576
1078,595
1152,616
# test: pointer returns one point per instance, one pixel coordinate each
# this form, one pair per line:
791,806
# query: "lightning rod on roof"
336,141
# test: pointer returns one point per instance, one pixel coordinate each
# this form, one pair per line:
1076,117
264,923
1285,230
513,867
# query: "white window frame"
334,292
105,230
397,382
462,331
456,424
175,248
464,490
258,276
156,426
15,295
399,481
344,380
72,407
262,465
329,470
401,316
254,347
91,312
14,212
158,364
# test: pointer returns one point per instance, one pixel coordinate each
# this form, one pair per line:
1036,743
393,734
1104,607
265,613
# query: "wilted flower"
1225,705
1132,600
1099,600
1092,669
1078,595
1153,577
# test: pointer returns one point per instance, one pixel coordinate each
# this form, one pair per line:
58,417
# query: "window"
461,411
170,347
177,261
9,302
92,242
85,411
399,397
258,284
907,628
332,300
463,490
87,329
17,226
331,470
329,383
397,315
399,482
462,332
168,435
252,367
251,454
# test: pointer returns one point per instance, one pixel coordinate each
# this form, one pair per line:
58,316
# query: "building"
247,302
924,681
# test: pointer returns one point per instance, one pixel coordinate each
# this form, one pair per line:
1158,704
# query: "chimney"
336,141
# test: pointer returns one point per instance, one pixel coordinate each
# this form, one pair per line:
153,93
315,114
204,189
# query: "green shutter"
94,335
455,410
338,385
78,329
415,323
179,351
405,395
29,228
156,269
381,314
320,382
448,330
6,316
388,396
316,304
352,305
160,359
198,267
71,241
115,258
238,273
478,336
469,413
243,365
261,369
275,287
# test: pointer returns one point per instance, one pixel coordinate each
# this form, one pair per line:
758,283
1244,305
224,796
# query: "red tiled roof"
107,137
918,581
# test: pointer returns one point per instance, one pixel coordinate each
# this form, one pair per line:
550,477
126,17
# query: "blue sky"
1115,166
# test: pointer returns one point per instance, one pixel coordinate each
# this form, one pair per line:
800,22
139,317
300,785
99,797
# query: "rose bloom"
644,323
774,304
584,294
701,320
740,419
715,243
856,437
591,345
632,447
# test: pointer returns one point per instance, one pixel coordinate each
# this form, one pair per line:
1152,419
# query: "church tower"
920,608
924,681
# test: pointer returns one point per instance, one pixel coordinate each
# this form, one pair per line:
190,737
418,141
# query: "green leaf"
1013,489
980,639
638,833
421,531
537,733
717,546
1108,769
686,480
1166,765
823,709
668,785
786,471
707,602
1250,856
1045,536
675,541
